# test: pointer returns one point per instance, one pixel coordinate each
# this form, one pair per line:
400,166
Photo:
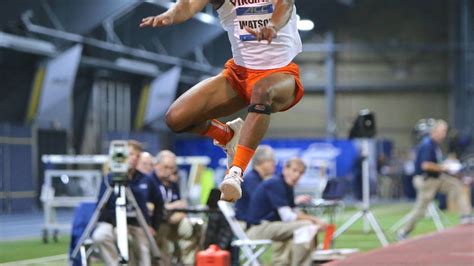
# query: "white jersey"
247,52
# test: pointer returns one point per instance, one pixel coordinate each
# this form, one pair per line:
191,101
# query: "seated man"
272,217
145,163
263,167
174,229
105,235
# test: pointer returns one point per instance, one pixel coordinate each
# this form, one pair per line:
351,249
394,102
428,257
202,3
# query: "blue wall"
284,149
17,185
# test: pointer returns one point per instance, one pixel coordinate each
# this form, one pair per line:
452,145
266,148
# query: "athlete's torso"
247,52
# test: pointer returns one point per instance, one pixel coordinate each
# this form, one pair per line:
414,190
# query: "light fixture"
206,18
65,179
137,66
305,25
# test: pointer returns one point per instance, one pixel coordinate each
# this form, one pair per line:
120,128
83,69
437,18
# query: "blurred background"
77,74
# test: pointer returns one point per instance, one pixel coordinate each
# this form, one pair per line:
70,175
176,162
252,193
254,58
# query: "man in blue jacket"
176,235
272,216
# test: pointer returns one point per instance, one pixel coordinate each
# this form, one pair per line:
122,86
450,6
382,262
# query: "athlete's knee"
262,93
173,121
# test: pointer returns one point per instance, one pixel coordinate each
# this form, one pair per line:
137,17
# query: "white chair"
250,249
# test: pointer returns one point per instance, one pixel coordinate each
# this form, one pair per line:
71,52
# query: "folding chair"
82,215
250,249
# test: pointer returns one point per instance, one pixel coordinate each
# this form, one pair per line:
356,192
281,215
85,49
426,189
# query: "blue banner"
333,156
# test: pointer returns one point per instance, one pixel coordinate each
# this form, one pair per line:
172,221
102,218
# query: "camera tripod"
122,193
365,212
432,211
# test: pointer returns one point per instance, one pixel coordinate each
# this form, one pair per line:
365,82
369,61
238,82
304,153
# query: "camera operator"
105,234
431,177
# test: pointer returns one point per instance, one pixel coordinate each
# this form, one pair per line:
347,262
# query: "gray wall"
400,69
396,114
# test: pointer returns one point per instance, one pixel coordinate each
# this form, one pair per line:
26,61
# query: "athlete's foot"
230,186
231,146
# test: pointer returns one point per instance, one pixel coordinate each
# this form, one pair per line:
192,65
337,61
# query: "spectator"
176,235
145,163
272,216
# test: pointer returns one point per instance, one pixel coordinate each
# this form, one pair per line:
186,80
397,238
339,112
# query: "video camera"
118,160
364,125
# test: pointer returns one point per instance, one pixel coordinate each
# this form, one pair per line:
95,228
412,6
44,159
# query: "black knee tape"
260,108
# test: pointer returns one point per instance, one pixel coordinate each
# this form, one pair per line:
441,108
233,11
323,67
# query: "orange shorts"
243,79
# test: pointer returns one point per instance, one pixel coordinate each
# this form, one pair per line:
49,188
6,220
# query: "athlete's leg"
277,91
272,93
211,98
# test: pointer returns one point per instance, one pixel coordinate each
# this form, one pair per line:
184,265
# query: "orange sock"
242,157
219,131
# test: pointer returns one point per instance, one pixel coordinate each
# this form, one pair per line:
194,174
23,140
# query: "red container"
213,256
328,236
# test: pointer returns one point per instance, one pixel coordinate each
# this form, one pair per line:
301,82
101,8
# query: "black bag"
334,190
218,231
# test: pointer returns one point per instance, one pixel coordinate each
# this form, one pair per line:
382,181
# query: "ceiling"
115,22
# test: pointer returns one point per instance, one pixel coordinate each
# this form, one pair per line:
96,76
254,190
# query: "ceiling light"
305,25
136,65
206,18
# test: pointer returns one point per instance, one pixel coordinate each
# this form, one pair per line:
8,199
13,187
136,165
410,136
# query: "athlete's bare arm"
180,12
281,14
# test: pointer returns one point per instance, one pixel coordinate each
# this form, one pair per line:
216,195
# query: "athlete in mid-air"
261,76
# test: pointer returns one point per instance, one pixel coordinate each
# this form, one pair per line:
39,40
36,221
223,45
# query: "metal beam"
118,48
28,45
464,80
47,49
361,47
199,54
330,87
112,37
52,17
383,87
102,63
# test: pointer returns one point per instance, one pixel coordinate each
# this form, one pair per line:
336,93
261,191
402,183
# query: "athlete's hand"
163,19
263,33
